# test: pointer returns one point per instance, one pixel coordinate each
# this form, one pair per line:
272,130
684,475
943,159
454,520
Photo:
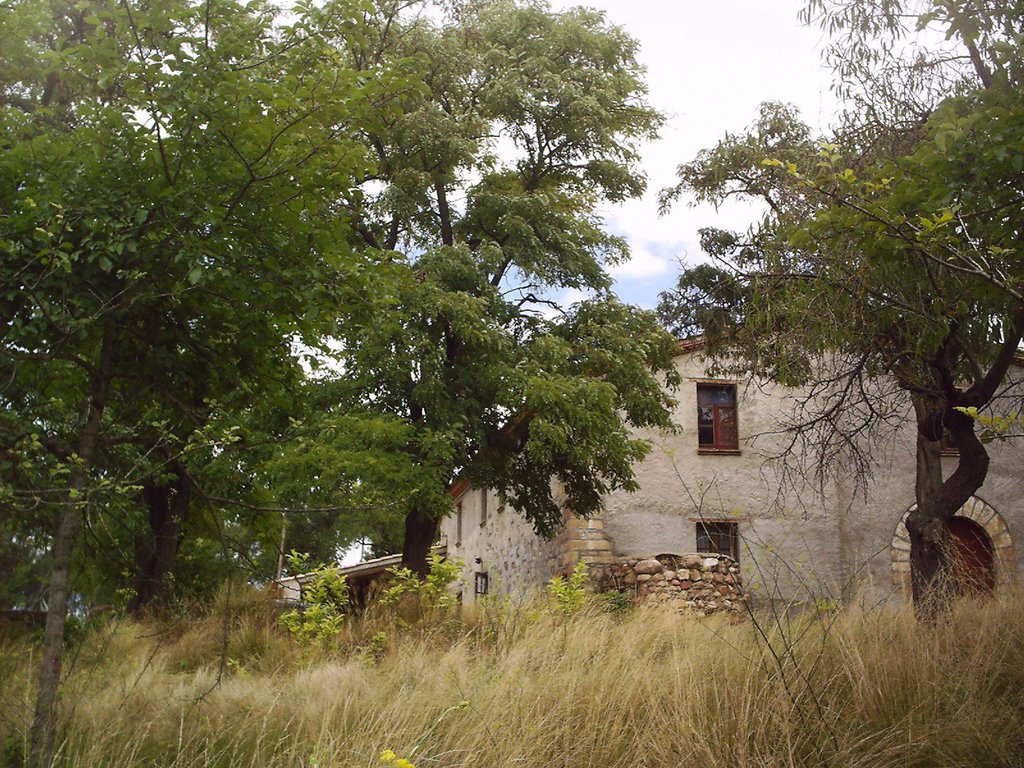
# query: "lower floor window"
480,584
719,538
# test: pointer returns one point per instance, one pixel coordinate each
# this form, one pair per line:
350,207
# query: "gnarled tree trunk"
420,532
938,500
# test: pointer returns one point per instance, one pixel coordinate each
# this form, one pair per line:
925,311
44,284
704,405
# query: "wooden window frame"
718,445
713,530
481,583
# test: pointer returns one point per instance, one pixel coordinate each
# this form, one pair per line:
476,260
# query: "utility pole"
280,551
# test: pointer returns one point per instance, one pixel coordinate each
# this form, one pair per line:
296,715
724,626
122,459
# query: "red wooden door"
973,571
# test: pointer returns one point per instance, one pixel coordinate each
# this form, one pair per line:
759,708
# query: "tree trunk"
156,550
927,530
939,500
420,532
44,724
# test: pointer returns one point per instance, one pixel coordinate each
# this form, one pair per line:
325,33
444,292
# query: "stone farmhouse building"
708,489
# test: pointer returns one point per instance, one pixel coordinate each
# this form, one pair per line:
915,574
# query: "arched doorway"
1002,554
973,562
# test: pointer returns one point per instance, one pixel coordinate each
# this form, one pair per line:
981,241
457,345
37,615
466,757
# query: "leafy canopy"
481,209
169,230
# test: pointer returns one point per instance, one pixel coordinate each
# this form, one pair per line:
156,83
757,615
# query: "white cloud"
572,296
643,264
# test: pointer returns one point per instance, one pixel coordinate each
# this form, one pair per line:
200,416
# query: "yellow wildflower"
403,763
388,756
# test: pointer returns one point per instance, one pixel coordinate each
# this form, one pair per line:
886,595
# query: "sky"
710,63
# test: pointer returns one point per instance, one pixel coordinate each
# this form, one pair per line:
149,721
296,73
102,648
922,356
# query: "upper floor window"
716,417
458,524
483,507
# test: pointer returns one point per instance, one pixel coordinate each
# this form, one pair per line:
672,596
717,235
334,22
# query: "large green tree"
481,212
169,231
889,252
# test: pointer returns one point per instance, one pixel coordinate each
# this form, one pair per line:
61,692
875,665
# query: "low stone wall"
703,583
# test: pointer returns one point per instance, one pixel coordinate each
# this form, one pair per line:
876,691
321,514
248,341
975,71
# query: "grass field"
524,686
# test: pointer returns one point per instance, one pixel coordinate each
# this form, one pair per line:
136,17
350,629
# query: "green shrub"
431,591
569,596
324,601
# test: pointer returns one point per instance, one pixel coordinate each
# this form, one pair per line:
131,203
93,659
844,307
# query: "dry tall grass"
522,687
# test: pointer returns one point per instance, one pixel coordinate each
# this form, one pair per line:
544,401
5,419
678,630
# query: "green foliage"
377,648
617,603
432,592
442,331
994,425
324,598
569,595
206,202
12,750
825,607
169,237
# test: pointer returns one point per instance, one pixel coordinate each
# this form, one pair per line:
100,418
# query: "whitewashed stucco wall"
785,539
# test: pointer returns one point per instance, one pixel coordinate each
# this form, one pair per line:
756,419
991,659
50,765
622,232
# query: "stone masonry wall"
703,583
580,540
